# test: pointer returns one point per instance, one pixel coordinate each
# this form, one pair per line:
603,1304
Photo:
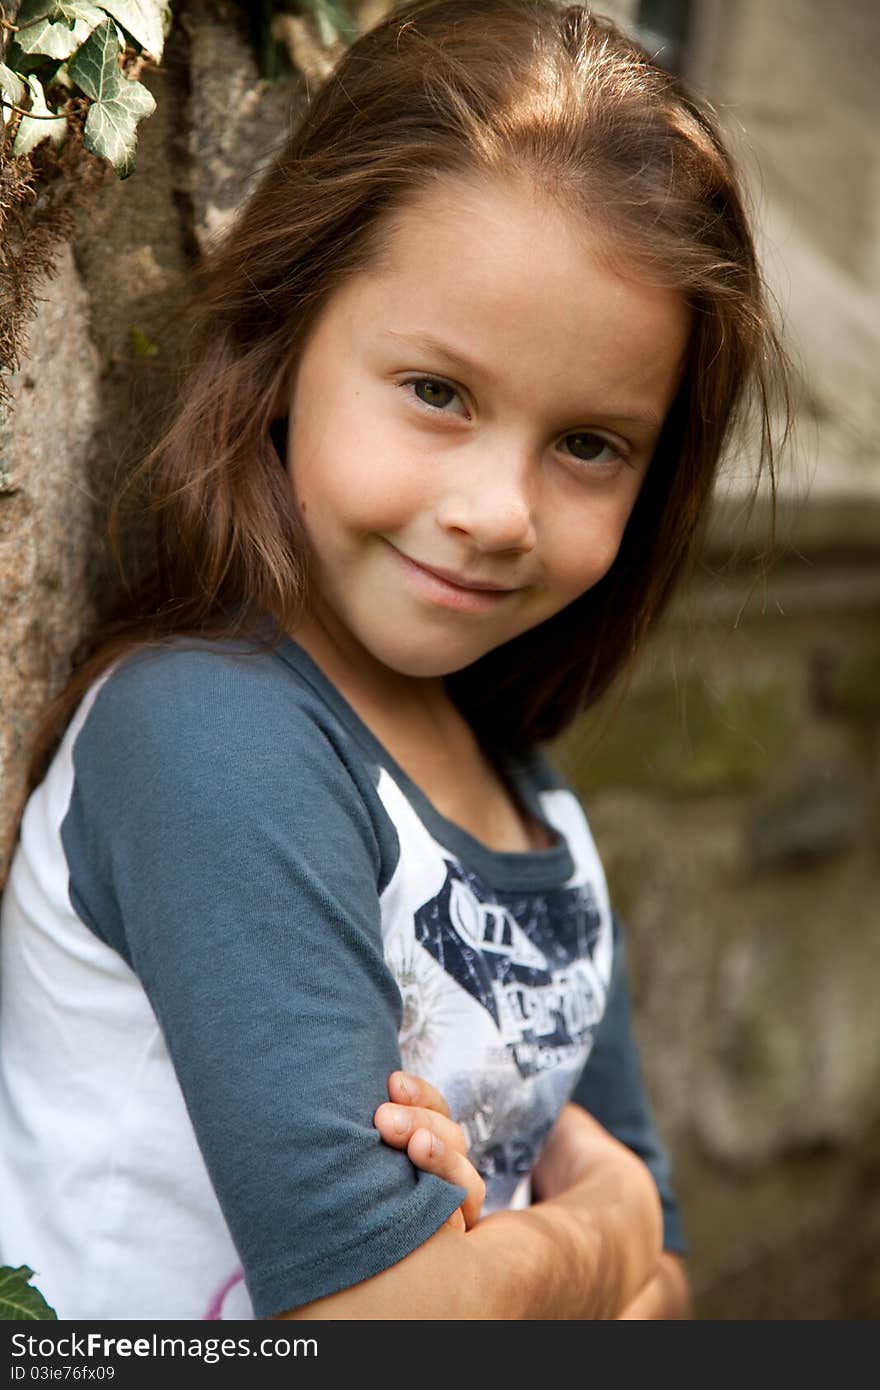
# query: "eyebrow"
459,362
431,344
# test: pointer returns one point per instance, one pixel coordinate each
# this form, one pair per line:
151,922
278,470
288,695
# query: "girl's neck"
416,707
428,737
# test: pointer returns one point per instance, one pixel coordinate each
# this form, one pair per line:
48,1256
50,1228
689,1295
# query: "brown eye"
589,448
431,392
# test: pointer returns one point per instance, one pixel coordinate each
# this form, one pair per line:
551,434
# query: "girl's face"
471,422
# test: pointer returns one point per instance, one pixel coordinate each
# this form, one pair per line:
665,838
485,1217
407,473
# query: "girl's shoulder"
199,678
215,727
198,695
194,756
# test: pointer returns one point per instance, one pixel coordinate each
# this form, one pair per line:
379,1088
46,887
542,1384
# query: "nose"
490,502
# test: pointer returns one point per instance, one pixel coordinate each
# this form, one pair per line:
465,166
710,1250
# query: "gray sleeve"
217,838
611,1088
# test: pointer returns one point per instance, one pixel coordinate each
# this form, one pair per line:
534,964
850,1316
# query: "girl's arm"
418,1120
666,1297
585,1250
666,1294
611,1088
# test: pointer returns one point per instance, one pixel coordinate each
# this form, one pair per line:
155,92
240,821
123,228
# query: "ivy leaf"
56,27
11,85
143,346
117,104
31,132
19,1300
145,20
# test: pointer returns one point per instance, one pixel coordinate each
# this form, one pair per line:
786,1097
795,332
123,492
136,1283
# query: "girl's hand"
419,1121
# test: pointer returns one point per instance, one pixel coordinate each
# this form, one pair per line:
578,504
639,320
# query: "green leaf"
11,85
31,132
143,346
334,21
117,104
145,20
56,27
19,1300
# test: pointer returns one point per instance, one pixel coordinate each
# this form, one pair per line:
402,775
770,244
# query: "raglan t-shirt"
231,915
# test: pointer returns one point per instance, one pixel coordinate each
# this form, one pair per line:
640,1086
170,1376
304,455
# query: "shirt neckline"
530,868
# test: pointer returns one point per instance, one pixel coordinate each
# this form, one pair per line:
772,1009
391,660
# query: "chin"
428,662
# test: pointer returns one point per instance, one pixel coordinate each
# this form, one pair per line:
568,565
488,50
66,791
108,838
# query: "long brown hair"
446,87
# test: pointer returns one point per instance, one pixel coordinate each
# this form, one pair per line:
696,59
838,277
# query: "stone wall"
734,799
735,796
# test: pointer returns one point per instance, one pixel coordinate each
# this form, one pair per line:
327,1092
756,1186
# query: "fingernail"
400,1120
437,1146
403,1084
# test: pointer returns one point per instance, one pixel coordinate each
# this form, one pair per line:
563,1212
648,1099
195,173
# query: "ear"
278,435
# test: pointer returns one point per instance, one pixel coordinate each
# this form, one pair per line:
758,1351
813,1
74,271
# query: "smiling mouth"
480,586
451,590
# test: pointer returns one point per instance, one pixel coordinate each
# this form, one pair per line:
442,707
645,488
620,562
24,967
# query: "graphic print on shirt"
502,992
536,980
501,1001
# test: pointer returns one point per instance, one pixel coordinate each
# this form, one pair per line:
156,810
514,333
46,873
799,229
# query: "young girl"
462,374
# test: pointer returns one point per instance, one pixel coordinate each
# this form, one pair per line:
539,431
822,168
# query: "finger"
429,1153
456,1221
436,1145
397,1124
415,1090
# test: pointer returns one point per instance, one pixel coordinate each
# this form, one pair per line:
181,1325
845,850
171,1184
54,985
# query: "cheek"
588,535
322,465
583,549
354,478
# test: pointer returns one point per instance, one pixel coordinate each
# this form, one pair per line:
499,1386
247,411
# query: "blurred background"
734,797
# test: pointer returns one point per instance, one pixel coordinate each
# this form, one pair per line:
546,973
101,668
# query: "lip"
481,586
452,590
